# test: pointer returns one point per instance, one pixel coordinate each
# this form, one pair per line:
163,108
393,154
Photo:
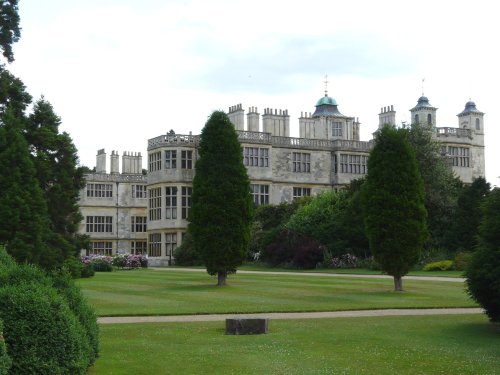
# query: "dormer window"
337,129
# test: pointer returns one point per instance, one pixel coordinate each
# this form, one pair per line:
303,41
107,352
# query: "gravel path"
322,274
294,315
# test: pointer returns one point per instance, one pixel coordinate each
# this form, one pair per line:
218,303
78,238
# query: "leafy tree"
352,225
186,254
273,216
24,224
321,219
393,201
269,221
221,212
13,93
56,162
483,271
468,215
441,186
9,27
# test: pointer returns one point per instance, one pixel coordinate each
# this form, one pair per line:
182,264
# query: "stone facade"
327,155
462,145
114,206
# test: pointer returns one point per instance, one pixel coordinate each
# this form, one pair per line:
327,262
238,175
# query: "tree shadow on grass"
473,330
202,287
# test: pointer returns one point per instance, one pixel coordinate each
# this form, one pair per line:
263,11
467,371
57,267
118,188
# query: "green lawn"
459,344
151,292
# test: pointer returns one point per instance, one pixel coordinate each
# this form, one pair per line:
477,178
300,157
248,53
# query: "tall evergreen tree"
13,93
440,184
9,27
221,213
53,156
483,271
24,224
56,162
393,201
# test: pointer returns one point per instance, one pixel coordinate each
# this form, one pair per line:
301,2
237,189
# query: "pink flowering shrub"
103,263
130,261
344,261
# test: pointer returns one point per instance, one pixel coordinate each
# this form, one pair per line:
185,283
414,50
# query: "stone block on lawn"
246,326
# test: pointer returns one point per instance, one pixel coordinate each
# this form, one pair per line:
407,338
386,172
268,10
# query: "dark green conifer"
483,271
9,27
24,224
56,162
393,201
468,215
221,213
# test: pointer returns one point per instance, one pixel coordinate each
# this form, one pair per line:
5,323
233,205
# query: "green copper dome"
326,100
327,106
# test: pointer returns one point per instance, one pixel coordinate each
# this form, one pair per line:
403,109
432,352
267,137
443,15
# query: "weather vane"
423,80
326,84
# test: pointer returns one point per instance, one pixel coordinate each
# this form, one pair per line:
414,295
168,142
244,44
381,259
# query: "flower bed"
103,263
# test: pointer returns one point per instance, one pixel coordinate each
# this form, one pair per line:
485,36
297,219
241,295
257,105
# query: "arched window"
429,119
478,124
416,119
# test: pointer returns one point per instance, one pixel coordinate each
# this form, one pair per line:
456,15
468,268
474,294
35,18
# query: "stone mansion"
137,213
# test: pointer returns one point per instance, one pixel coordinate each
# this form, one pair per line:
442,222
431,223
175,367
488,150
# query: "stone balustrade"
454,132
267,139
103,177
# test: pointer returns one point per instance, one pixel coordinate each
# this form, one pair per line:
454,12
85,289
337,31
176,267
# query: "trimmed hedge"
48,327
42,334
65,285
5,361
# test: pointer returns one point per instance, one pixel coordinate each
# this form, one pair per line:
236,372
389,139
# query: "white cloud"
121,71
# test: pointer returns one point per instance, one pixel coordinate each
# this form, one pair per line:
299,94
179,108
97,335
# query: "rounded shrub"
74,266
5,361
120,260
291,249
442,265
42,334
66,287
48,327
24,274
87,271
101,265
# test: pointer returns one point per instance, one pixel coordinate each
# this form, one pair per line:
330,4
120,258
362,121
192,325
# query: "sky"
119,72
